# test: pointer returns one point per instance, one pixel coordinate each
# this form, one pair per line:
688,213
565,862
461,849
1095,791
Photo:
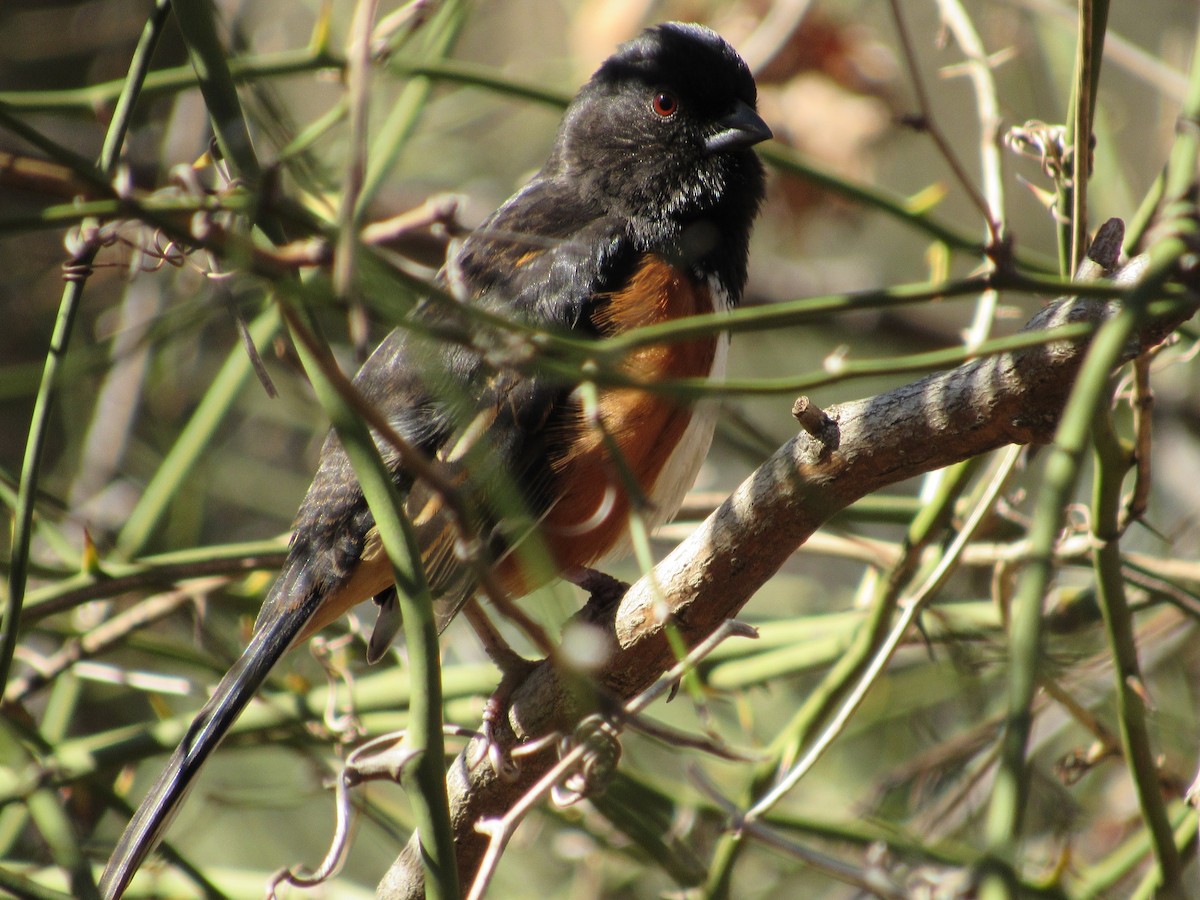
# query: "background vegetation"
168,468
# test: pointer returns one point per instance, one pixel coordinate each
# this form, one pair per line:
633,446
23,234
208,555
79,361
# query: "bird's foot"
513,670
489,746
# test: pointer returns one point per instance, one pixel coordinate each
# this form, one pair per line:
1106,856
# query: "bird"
641,214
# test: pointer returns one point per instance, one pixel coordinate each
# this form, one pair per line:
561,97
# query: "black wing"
529,261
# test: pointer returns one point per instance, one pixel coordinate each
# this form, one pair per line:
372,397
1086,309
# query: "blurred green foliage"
167,460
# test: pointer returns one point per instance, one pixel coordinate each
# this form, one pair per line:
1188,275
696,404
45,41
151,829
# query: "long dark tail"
239,685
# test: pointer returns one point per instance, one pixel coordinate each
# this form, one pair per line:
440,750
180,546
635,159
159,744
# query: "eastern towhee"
641,214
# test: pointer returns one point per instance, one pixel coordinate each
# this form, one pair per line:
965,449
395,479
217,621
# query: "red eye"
664,104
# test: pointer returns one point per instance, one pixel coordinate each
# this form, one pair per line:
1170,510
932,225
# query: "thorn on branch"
1138,687
916,121
1000,251
1105,249
256,360
815,421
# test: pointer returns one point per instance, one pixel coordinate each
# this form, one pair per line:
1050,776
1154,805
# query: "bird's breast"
638,442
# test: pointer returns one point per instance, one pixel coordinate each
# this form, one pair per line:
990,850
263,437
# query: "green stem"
426,777
932,361
1079,134
194,439
1112,461
793,163
1072,193
159,571
32,464
402,120
1010,792
809,309
1062,469
169,81
210,61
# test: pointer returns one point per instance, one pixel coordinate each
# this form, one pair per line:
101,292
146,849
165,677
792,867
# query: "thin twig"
1143,429
926,123
822,862
1082,133
358,80
440,210
1108,742
109,634
991,164
774,33
1111,464
150,572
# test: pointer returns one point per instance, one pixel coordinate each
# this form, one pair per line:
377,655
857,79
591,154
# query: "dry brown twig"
109,634
924,121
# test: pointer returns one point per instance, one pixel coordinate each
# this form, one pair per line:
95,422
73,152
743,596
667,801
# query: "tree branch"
1014,398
